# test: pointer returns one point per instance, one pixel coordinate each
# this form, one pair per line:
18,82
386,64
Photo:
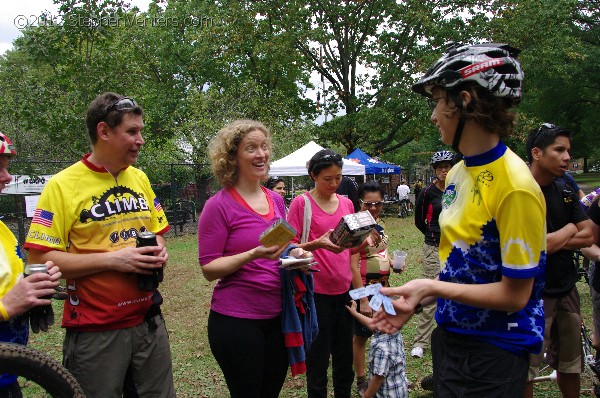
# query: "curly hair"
490,112
223,149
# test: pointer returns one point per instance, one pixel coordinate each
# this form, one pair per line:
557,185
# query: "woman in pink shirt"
244,324
336,326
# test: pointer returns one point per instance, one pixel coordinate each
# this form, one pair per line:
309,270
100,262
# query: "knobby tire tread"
40,368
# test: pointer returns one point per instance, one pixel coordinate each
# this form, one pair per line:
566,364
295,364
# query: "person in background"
568,179
373,264
427,211
17,294
403,190
276,184
492,242
568,229
587,200
417,188
349,189
593,254
332,283
87,221
244,324
387,362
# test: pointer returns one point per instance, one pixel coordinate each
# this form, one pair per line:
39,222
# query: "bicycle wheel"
590,378
41,369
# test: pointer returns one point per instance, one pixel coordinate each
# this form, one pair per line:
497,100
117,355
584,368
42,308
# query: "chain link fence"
181,188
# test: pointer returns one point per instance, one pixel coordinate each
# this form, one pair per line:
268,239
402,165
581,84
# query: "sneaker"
427,383
417,352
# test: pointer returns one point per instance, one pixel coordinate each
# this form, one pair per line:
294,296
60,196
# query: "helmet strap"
461,122
458,133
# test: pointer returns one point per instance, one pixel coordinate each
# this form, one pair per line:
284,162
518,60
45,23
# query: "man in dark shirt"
349,189
568,229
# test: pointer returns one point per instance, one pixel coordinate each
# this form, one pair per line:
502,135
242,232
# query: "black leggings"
251,354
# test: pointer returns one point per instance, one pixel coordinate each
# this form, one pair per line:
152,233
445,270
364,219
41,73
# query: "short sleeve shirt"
84,209
493,225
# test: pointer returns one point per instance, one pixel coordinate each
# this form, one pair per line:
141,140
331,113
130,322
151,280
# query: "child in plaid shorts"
387,362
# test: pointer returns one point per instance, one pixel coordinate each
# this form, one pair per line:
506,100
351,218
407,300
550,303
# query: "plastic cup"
399,261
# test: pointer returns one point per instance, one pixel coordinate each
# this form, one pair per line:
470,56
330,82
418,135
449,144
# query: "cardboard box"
279,233
353,229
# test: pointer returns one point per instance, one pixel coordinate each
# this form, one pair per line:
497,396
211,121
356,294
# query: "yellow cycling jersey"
84,209
11,264
493,225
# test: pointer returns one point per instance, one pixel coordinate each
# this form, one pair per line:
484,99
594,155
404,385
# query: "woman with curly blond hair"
244,325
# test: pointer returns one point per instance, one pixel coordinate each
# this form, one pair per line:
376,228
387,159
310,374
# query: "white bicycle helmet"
6,146
492,66
442,156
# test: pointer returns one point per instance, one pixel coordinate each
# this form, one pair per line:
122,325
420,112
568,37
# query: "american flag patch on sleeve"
43,217
157,205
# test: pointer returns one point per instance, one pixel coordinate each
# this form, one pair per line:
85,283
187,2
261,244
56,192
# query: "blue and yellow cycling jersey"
493,225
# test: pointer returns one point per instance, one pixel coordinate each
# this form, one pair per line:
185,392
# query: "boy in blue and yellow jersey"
492,246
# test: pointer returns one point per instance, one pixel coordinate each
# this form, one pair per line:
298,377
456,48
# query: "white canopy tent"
294,164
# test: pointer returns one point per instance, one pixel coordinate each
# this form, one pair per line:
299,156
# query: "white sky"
20,13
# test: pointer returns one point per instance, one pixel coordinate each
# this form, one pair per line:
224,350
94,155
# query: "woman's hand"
272,252
324,242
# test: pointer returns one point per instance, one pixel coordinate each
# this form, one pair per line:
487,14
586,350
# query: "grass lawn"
588,181
187,301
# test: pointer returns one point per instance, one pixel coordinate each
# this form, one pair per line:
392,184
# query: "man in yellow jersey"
17,295
88,218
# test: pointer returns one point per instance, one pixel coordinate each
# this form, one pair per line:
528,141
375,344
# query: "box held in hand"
353,229
279,233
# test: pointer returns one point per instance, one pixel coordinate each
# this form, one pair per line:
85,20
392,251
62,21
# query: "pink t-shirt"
335,276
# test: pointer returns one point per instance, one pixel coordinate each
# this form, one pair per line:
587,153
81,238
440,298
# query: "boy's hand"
351,307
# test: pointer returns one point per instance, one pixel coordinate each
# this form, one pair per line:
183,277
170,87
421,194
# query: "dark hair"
543,136
323,159
491,112
99,111
271,182
371,186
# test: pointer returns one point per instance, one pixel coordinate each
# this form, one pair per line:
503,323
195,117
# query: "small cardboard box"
279,233
353,229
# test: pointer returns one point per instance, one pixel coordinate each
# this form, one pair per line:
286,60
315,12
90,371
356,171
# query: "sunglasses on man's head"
121,105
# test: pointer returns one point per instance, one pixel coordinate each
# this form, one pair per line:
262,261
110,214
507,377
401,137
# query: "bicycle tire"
41,369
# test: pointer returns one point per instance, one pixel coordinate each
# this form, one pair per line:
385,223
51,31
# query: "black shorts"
466,367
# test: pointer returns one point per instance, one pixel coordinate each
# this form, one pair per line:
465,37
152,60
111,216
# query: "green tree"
368,53
560,53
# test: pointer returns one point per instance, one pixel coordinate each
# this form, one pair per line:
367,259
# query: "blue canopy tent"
372,165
